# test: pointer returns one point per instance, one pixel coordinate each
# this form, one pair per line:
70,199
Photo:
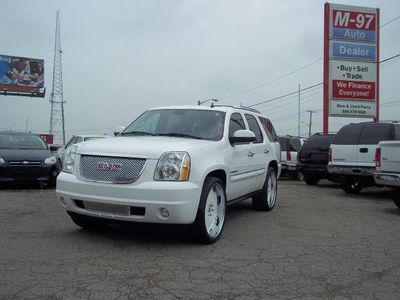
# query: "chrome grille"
114,209
111,169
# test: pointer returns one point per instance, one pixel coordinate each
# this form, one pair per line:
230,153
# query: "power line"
309,87
290,73
284,96
390,21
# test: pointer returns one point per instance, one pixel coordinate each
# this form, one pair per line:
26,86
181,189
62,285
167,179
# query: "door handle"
250,154
363,150
266,151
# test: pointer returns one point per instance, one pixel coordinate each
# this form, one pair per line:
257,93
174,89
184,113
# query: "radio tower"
57,94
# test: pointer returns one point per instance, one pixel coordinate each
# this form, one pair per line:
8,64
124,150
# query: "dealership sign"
351,62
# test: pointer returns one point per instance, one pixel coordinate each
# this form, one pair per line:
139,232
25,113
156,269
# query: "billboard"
21,76
351,62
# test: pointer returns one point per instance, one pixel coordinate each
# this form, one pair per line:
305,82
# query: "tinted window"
373,133
295,144
397,132
318,141
269,129
21,141
253,126
348,135
236,123
204,124
284,142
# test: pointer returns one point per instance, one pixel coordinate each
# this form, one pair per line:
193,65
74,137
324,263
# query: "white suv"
175,165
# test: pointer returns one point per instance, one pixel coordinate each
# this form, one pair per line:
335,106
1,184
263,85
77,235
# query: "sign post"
351,62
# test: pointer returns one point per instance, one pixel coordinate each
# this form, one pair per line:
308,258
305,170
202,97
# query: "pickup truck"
387,160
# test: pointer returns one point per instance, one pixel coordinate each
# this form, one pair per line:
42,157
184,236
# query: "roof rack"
238,107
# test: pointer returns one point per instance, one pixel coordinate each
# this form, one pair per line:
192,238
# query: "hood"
139,146
24,154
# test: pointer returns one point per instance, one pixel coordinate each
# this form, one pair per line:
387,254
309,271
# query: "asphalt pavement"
317,243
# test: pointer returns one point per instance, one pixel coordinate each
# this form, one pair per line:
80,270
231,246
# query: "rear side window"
269,129
397,132
373,133
253,126
295,144
348,135
236,123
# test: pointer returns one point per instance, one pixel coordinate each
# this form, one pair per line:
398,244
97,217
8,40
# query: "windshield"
189,123
21,141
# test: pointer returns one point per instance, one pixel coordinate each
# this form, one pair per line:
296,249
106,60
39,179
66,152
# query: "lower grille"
112,209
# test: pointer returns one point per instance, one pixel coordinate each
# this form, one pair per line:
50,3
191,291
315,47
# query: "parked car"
290,146
313,158
173,165
387,161
352,153
25,157
75,139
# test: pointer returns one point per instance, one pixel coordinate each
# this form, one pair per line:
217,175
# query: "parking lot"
318,242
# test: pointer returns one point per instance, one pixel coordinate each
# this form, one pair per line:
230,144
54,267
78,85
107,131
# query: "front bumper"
28,174
350,170
387,179
137,202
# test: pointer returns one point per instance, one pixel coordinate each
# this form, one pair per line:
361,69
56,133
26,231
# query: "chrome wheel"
271,189
214,213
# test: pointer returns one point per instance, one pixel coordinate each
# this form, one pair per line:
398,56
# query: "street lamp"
204,101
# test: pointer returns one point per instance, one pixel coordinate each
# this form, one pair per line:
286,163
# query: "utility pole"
309,125
57,94
298,125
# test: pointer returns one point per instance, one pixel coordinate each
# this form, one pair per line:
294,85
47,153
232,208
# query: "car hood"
24,154
139,146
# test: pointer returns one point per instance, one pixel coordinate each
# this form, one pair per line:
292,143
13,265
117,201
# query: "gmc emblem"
105,166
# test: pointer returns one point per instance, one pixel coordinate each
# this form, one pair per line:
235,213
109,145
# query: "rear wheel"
210,218
350,185
87,222
311,179
396,196
265,200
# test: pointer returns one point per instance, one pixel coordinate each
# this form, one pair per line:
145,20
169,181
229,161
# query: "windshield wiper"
137,133
180,135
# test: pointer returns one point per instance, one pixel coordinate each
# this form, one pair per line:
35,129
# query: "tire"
298,176
350,185
210,218
265,200
87,222
396,196
311,179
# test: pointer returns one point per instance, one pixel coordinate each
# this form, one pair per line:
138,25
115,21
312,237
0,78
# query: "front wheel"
350,185
210,218
396,196
265,200
87,222
311,179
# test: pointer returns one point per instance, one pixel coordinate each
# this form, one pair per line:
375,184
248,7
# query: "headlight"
2,162
50,161
69,160
174,166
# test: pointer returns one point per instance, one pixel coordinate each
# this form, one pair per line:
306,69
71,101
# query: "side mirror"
53,148
118,130
242,136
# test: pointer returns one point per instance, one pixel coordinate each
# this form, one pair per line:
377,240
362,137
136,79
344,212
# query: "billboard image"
21,76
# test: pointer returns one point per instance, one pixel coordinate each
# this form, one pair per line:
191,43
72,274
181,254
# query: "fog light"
62,200
164,212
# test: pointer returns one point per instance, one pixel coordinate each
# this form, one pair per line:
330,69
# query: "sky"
121,58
